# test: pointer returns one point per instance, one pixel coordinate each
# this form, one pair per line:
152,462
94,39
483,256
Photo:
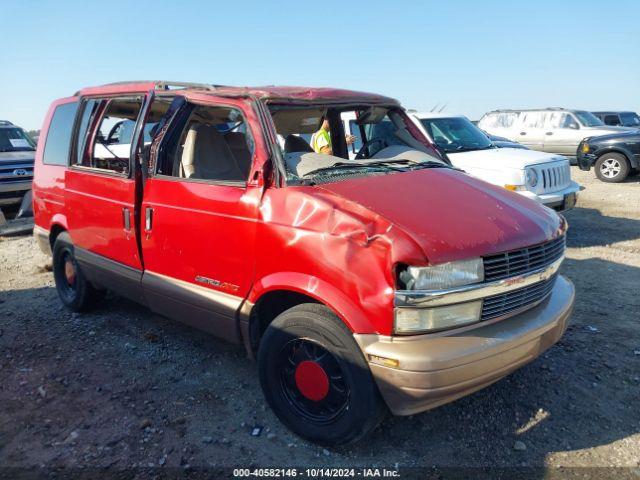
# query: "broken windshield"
328,143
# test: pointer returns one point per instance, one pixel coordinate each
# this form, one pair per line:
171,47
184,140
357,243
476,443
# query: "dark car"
502,142
622,119
615,156
17,153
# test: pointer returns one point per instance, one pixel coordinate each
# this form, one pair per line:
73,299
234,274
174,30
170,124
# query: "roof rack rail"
165,85
5,123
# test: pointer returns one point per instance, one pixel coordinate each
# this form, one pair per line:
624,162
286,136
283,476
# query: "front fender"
349,312
624,151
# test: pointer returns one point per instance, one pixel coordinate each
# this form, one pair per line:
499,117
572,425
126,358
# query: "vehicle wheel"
74,289
612,167
315,378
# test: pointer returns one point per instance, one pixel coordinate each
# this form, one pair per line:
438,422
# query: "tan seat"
207,156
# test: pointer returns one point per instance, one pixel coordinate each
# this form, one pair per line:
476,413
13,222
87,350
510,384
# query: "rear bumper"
554,200
41,236
438,368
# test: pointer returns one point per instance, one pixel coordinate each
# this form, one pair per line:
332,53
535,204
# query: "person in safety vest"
321,140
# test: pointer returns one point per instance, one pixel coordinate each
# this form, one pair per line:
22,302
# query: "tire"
336,407
612,167
74,289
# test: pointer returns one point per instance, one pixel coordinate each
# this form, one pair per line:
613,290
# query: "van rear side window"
58,142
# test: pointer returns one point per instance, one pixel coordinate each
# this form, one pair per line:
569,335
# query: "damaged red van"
391,282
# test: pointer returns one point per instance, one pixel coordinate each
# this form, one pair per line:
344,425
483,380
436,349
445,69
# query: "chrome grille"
506,303
555,177
8,172
518,262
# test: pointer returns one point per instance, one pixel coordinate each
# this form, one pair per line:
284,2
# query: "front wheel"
612,167
315,378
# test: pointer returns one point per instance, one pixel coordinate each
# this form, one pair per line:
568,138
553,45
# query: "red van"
391,282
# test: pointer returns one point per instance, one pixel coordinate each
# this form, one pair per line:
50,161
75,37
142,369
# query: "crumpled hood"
9,157
452,215
517,158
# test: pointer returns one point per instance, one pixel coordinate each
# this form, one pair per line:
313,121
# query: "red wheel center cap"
312,380
69,272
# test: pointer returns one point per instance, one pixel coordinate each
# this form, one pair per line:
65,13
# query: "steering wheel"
364,151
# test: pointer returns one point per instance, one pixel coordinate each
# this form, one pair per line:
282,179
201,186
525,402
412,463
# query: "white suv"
543,177
553,130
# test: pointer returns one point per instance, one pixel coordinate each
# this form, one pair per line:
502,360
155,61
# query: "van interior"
381,134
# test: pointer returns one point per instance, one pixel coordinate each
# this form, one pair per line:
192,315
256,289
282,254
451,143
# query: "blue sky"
473,55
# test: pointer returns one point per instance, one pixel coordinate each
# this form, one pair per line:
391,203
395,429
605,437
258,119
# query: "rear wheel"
315,377
612,167
74,289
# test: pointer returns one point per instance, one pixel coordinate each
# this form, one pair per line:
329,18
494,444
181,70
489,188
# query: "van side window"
533,120
562,120
105,133
499,120
58,141
213,143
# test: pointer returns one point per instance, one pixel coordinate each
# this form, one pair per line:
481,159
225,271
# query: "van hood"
499,158
451,215
9,157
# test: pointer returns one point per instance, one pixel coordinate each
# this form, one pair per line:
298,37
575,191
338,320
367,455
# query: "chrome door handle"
549,133
148,219
126,219
523,133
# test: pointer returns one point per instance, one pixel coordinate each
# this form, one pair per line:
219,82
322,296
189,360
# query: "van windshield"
327,143
588,119
456,134
15,140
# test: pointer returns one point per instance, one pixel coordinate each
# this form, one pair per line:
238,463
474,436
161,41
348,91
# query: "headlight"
445,275
414,320
532,177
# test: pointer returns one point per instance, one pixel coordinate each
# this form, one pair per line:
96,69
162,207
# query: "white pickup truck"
540,176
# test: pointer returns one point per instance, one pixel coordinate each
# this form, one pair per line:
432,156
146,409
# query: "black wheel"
612,167
315,378
74,289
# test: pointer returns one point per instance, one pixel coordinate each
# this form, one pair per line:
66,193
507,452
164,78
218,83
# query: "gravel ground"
121,387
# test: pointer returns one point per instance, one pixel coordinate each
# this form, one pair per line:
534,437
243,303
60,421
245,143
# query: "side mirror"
574,126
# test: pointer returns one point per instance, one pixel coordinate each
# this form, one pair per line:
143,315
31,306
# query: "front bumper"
13,192
555,200
585,160
438,368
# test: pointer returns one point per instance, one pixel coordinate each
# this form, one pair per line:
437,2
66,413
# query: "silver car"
553,130
17,154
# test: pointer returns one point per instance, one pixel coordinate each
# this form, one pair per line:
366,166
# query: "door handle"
148,219
126,219
523,133
549,133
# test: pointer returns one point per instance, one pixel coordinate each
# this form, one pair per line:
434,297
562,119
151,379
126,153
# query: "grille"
555,177
506,303
518,262
7,173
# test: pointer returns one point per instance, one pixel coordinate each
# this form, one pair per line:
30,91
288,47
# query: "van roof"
436,115
546,109
285,93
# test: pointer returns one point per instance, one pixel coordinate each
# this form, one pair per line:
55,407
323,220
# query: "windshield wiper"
345,165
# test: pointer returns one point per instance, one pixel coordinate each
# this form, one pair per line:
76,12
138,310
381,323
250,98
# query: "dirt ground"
121,387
